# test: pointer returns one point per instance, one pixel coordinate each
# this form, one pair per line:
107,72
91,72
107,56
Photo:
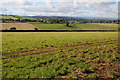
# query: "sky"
74,8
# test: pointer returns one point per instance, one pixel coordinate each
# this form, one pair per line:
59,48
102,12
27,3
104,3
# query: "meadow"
16,17
60,55
81,26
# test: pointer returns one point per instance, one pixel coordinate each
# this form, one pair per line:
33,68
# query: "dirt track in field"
40,51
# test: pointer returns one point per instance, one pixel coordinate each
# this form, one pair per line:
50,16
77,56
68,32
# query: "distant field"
8,17
107,24
18,26
43,26
87,26
60,55
17,17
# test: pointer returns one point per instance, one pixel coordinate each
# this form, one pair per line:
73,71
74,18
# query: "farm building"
17,26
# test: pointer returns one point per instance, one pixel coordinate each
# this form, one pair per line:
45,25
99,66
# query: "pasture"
84,26
60,55
16,17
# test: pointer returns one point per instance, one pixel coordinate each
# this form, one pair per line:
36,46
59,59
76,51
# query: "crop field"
18,26
85,26
60,55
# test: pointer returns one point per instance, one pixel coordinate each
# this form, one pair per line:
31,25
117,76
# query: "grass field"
8,17
16,17
87,26
60,55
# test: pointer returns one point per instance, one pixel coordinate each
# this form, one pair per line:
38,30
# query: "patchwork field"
43,26
85,26
60,55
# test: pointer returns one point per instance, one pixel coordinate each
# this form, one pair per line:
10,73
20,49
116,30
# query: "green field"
60,55
85,26
17,17
7,17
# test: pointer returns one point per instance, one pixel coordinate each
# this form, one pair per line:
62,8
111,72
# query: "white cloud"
82,8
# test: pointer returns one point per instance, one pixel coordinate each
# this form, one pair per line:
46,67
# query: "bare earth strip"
40,51
18,26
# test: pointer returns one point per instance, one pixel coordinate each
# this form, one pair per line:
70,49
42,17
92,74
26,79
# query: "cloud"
28,3
61,8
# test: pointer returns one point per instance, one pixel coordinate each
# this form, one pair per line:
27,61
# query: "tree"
36,28
13,28
67,23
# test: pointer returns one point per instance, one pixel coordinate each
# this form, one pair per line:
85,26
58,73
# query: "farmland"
16,17
18,26
84,26
60,55
43,26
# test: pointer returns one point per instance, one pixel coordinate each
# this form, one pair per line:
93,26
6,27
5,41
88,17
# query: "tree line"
57,20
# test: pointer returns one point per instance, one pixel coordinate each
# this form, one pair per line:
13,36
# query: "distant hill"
54,19
49,17
15,17
59,17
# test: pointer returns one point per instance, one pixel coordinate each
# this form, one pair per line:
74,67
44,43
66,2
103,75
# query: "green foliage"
93,76
113,74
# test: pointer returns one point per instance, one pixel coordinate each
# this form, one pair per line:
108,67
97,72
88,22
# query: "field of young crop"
60,55
87,26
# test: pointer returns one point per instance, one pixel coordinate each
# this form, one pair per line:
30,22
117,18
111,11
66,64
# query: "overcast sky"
81,8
